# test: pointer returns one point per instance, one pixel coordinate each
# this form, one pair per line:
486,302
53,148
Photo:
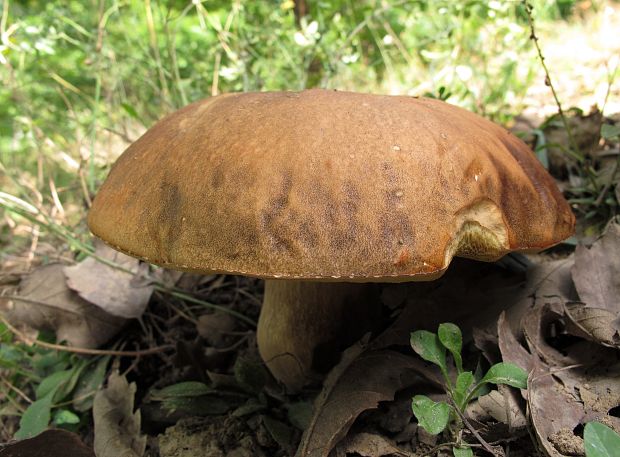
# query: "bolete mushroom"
320,192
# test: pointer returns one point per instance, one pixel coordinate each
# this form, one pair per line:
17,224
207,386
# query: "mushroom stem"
304,325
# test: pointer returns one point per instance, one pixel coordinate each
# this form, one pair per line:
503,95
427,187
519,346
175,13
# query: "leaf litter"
43,301
120,290
560,324
117,425
558,320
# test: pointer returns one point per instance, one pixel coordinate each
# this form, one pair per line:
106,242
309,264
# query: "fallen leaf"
355,385
551,408
44,302
510,348
503,406
594,324
117,426
368,445
565,388
536,328
597,272
50,443
120,292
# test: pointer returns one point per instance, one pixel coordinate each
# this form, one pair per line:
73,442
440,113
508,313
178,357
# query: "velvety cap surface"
327,184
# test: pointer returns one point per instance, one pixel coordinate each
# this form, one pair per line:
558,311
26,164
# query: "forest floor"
202,389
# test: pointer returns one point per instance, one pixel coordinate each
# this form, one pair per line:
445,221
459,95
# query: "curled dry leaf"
117,426
503,406
597,273
511,349
43,301
565,389
119,291
594,324
551,408
357,384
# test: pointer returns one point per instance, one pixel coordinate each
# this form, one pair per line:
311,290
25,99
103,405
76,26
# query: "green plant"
45,386
600,440
461,386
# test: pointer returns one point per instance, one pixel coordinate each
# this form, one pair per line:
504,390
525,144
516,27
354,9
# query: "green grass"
80,79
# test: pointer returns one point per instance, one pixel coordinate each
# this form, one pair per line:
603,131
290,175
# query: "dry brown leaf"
368,445
565,388
43,301
503,406
355,385
597,272
118,292
510,348
594,324
117,426
560,400
551,408
50,443
535,329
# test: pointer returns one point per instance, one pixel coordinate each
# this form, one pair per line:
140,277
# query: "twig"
608,184
17,390
85,351
528,9
486,446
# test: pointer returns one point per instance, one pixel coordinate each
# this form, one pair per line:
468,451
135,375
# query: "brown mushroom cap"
327,185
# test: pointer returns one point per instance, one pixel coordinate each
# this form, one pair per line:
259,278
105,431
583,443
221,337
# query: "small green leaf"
482,389
67,387
507,373
427,345
464,381
251,406
9,355
600,440
53,383
183,389
36,418
610,132
64,416
432,416
93,378
452,339
204,405
131,111
462,452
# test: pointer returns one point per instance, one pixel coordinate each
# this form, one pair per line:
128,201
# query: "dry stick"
17,390
608,184
610,81
85,351
486,446
528,9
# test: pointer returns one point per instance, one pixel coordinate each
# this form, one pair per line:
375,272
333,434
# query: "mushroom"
321,193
